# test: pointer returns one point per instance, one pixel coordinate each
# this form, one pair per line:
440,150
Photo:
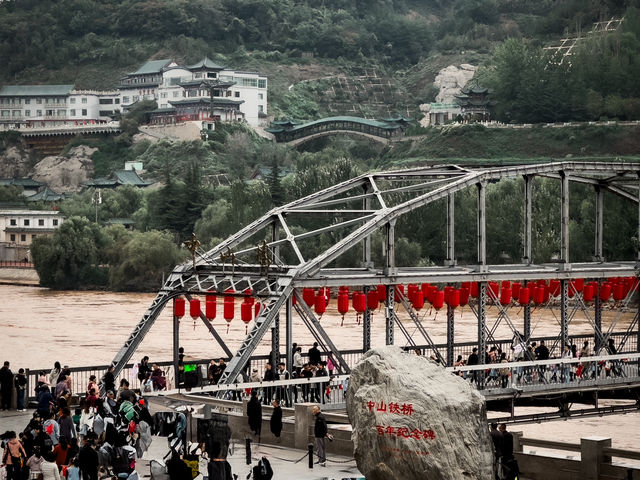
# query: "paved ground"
283,460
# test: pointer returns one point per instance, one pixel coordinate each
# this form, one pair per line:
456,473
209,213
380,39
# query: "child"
73,472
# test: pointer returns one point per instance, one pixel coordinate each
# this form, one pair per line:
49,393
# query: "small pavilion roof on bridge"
399,120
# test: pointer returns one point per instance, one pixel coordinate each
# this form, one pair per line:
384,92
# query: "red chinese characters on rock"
404,432
391,407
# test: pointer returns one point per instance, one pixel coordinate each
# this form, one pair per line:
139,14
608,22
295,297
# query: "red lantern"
554,287
320,303
618,292
210,307
538,295
473,289
578,284
398,292
425,290
515,290
257,307
523,297
382,293
454,298
587,293
438,299
343,305
372,300
605,291
229,310
178,307
246,309
411,291
505,296
505,284
359,304
464,296
194,308
309,296
494,290
418,300
447,291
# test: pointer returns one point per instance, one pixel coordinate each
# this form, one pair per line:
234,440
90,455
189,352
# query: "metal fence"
80,375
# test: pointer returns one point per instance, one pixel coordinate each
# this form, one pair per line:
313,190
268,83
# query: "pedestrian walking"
320,433
275,423
6,386
254,412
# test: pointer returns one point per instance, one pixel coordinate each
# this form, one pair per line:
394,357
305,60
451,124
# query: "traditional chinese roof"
35,90
200,81
163,110
202,100
474,89
284,123
397,119
205,64
152,66
20,182
45,195
119,177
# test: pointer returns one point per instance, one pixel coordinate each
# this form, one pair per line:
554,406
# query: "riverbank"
27,277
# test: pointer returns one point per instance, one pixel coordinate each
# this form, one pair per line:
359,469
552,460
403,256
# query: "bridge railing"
80,375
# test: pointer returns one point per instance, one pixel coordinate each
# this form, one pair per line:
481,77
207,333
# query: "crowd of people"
66,441
521,351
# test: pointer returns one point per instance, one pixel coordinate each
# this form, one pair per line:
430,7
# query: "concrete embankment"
19,276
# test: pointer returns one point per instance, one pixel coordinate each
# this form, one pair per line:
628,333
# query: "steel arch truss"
278,253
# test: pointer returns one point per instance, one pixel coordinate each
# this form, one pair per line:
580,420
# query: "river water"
39,326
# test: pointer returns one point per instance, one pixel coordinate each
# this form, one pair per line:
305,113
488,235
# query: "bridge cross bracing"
371,204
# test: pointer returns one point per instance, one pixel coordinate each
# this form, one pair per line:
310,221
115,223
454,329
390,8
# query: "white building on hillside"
184,92
24,106
18,228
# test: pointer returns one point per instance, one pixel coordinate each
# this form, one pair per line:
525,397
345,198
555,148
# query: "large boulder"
414,420
66,173
14,162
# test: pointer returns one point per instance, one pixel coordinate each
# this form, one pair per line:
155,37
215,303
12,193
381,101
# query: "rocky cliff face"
414,420
451,79
65,174
14,162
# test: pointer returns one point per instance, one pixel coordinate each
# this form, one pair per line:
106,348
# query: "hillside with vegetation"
322,58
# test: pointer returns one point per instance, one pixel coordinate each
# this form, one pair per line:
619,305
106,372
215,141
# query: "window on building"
262,83
27,101
38,100
117,101
27,113
164,95
228,93
260,96
16,113
125,99
55,222
5,113
198,75
106,101
23,238
41,222
72,112
260,108
13,237
212,75
13,222
72,100
176,94
33,236
26,222
39,113
84,112
84,99
136,98
105,113
237,94
192,93
62,113
50,113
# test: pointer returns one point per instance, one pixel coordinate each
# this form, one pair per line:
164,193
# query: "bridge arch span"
328,133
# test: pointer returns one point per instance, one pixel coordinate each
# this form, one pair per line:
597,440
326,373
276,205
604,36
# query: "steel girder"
353,210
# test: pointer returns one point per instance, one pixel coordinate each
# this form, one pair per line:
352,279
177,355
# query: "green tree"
71,258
